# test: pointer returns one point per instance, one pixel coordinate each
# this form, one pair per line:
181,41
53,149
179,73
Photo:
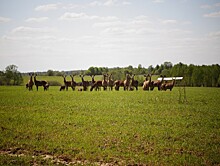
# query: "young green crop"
117,127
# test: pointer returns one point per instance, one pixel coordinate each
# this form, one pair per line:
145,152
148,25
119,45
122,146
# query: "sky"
41,35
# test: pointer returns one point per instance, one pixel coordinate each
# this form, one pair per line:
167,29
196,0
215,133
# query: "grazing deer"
26,86
134,83
46,87
170,85
110,82
85,84
127,82
118,84
67,83
30,83
39,83
147,82
62,87
157,84
97,85
104,81
73,83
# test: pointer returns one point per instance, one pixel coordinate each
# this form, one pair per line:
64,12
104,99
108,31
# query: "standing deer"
67,83
110,82
170,85
147,82
157,84
39,83
30,83
127,82
104,81
85,84
118,84
134,83
95,84
73,83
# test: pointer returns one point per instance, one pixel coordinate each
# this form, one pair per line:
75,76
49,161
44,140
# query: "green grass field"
109,128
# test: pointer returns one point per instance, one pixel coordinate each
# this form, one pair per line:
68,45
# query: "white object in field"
170,78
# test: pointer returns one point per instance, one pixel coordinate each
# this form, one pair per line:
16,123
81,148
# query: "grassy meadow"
109,128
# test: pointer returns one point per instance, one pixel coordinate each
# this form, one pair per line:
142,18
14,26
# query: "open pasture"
109,127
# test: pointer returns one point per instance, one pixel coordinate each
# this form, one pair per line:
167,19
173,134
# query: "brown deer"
30,83
95,84
73,83
85,84
46,87
127,82
118,84
110,82
170,85
134,83
39,83
104,81
147,82
67,83
156,83
62,87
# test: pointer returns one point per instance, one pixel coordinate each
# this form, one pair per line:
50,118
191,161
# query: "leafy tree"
50,73
12,75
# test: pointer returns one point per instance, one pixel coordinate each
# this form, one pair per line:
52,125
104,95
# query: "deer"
95,84
30,83
62,87
110,82
127,82
118,84
157,84
147,82
73,83
170,85
67,83
39,83
85,84
104,81
46,87
134,83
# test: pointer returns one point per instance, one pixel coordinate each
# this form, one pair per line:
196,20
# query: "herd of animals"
128,84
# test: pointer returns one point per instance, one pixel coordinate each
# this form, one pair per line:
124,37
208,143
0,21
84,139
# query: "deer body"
118,83
73,83
157,83
170,85
147,82
134,83
85,84
30,83
67,83
110,82
39,83
127,82
104,82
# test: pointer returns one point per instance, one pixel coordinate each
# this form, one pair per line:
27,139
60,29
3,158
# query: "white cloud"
4,19
47,7
169,22
38,19
22,30
212,15
158,1
109,3
77,16
214,35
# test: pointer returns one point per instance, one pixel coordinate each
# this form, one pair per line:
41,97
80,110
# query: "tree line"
194,75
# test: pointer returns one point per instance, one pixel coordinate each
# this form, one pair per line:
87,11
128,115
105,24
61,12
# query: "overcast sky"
37,35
